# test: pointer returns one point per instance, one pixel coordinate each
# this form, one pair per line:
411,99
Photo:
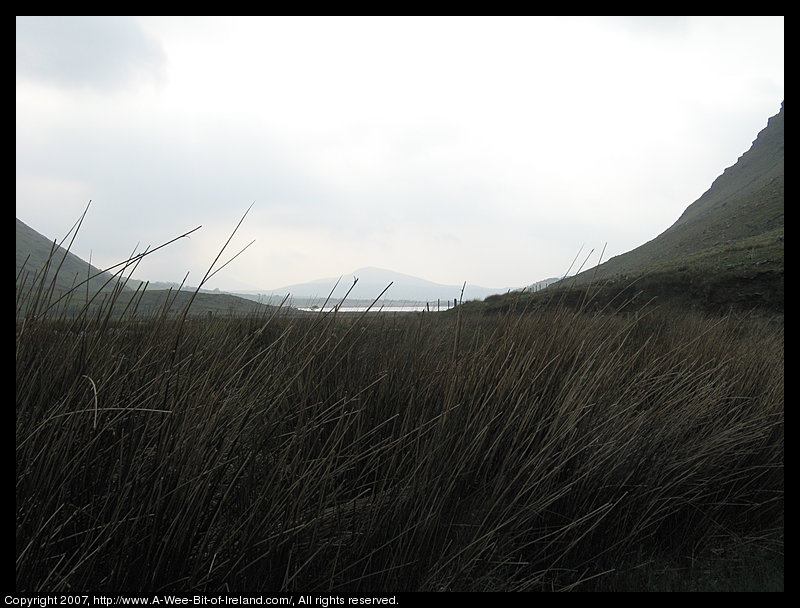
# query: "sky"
485,150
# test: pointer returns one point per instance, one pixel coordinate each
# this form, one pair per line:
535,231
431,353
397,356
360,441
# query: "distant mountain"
372,281
727,247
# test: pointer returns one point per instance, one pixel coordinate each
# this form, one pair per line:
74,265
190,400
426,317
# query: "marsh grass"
546,451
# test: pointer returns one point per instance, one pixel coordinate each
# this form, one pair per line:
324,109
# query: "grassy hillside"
725,250
37,254
746,201
43,268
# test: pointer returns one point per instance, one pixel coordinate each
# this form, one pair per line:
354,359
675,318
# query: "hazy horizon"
481,149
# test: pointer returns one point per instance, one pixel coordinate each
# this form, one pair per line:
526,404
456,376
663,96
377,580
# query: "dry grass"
386,452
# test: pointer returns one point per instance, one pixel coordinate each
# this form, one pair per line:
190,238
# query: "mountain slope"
33,252
726,249
743,207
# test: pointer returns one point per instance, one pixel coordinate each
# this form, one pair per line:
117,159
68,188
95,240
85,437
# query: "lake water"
377,308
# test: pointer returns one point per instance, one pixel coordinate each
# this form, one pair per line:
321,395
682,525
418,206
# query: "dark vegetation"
733,278
563,450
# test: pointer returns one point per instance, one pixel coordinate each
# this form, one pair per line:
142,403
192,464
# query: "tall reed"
387,452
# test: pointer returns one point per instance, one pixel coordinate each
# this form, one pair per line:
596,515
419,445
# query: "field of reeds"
558,450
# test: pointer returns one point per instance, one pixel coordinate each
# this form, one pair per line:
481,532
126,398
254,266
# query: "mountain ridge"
371,283
33,252
726,250
65,270
746,200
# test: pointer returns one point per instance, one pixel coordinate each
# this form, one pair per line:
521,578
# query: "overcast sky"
485,150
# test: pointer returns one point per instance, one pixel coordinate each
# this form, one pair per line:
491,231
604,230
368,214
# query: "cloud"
99,53
667,25
486,150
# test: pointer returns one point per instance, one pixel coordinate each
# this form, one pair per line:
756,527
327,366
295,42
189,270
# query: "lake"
378,308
